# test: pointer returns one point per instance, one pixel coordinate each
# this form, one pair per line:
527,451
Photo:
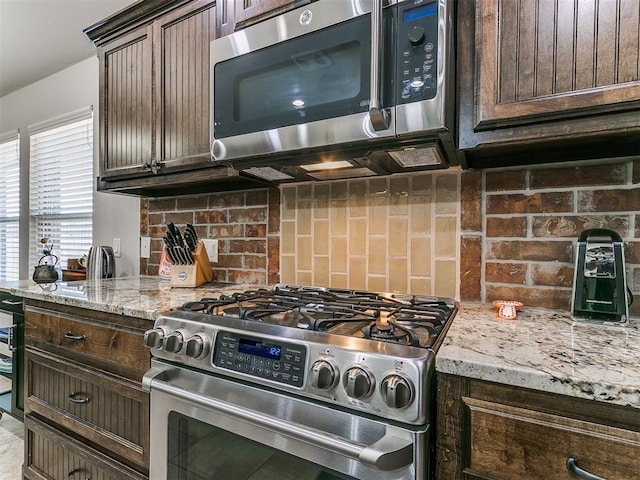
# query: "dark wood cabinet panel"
117,349
155,101
541,58
109,411
182,83
126,120
83,372
553,74
486,430
52,455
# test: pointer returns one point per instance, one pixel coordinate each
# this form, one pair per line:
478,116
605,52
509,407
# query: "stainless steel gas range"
296,382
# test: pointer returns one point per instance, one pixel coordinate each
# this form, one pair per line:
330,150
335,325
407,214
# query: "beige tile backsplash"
396,234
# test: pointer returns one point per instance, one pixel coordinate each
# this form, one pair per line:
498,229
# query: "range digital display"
420,12
260,349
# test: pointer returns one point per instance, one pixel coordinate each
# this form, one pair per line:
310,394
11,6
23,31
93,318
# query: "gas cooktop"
365,351
415,320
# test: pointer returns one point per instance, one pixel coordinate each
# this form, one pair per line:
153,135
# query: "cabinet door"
542,58
251,11
551,74
182,83
126,116
110,411
50,455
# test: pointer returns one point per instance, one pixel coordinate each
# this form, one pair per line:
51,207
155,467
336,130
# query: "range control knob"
197,346
416,36
153,338
323,374
397,391
358,382
174,341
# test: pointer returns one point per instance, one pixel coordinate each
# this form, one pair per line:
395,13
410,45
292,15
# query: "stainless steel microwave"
336,89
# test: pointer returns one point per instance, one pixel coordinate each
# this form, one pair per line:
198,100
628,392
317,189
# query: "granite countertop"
545,350
141,297
542,349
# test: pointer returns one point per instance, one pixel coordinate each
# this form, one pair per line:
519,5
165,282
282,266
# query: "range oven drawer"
109,411
53,455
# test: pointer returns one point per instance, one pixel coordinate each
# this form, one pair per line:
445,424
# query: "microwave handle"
379,116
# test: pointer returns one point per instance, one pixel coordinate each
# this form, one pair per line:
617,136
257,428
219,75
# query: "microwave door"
281,86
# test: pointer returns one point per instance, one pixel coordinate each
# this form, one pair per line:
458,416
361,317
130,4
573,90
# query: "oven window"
199,451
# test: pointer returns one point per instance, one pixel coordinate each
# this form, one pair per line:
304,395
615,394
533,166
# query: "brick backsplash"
247,225
530,220
475,235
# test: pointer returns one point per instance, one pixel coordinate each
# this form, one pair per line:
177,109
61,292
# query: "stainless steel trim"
359,447
423,116
335,131
379,117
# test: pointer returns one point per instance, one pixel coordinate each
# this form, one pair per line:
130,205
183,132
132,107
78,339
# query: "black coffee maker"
600,285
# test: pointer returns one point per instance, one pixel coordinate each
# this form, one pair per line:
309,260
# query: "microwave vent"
342,173
417,157
268,173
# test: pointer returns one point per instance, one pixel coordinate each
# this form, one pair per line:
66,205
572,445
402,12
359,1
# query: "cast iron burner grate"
413,320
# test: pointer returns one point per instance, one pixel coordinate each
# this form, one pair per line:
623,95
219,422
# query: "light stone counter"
545,350
142,297
542,349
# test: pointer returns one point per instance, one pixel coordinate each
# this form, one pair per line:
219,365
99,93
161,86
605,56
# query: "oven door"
298,81
208,427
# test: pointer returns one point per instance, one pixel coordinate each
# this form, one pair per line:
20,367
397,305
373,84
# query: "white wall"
72,89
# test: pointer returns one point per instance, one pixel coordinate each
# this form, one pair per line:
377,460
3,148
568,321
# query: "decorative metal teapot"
45,272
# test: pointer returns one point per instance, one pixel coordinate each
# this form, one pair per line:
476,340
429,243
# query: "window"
61,187
9,206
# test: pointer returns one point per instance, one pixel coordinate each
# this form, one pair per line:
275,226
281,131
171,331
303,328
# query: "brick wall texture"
518,229
527,222
246,224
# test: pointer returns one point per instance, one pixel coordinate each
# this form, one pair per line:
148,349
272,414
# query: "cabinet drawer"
109,411
51,455
516,443
115,348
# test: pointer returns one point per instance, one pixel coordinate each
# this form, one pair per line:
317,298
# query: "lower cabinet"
496,431
86,413
54,455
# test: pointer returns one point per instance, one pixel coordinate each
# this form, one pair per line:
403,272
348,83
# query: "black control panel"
417,51
261,358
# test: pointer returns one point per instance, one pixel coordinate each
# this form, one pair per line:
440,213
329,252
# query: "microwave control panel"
417,51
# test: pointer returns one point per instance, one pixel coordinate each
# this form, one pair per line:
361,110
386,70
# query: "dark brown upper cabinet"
548,80
154,100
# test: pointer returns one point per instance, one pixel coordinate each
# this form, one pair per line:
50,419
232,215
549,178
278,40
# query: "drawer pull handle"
75,398
76,470
572,466
71,336
11,302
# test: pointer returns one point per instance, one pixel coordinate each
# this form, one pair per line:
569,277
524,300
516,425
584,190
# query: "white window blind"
9,207
61,188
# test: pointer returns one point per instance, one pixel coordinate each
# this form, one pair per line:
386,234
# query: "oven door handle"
388,453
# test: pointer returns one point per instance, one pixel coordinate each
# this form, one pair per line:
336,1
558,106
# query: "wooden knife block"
193,275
